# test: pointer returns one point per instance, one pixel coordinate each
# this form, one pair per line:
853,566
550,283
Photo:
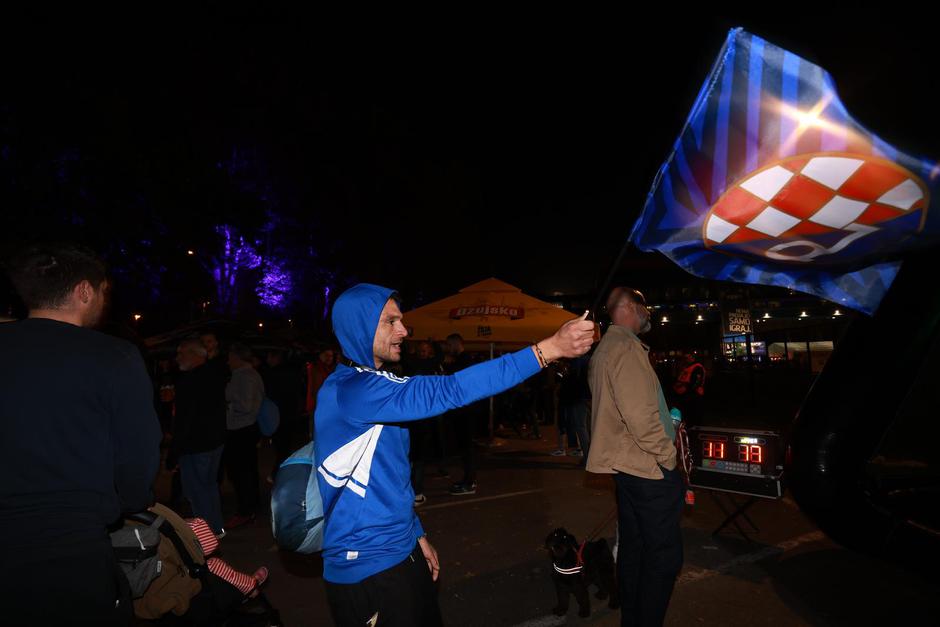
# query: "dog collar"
566,571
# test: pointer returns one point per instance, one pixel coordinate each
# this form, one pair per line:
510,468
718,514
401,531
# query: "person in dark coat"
283,384
199,431
79,445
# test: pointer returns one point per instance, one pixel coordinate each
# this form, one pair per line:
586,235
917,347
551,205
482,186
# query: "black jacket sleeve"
135,432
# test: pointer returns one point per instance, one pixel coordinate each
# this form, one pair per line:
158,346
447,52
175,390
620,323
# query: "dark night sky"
427,157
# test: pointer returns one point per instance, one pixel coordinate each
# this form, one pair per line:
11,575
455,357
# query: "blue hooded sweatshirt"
362,446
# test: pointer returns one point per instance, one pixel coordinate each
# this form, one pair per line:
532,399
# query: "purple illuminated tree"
276,284
235,258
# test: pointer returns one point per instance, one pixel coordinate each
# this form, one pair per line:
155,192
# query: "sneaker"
420,499
576,453
238,520
220,535
557,452
459,489
260,576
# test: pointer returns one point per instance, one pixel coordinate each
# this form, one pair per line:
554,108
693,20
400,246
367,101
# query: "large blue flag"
771,181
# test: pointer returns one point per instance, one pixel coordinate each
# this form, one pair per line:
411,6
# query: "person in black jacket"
574,399
199,431
79,445
463,418
283,384
421,432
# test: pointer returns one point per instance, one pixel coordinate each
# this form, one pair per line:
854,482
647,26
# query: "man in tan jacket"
633,440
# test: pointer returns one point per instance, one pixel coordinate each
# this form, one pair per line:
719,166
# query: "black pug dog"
573,576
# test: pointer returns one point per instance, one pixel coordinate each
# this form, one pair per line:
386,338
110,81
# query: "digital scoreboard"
737,460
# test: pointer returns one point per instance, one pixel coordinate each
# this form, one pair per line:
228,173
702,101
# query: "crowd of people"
84,422
208,404
559,395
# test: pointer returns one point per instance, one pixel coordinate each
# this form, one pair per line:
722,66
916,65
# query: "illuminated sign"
737,321
713,447
737,460
750,453
513,313
713,450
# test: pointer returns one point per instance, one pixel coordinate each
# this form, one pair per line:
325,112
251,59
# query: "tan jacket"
628,434
174,588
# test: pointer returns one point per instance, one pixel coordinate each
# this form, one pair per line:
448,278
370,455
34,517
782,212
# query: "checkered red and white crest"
811,207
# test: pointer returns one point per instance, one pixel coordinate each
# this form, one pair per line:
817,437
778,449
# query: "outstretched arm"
384,398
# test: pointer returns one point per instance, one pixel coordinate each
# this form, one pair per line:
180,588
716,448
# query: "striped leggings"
220,568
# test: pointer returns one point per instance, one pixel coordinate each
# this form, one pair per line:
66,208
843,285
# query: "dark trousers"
420,433
401,596
198,472
73,585
576,416
241,464
649,556
464,427
285,440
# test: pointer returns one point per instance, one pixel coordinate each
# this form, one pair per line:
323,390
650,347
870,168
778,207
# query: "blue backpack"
269,417
296,506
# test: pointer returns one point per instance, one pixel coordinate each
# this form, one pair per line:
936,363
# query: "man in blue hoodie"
378,565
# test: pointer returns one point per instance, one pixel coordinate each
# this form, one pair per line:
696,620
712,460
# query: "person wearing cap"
378,564
633,437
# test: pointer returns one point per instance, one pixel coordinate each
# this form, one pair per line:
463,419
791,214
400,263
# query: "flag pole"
610,277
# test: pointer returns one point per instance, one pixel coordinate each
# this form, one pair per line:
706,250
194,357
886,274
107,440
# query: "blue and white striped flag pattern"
772,182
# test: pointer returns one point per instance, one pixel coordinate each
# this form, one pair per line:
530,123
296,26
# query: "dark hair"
44,275
455,337
242,351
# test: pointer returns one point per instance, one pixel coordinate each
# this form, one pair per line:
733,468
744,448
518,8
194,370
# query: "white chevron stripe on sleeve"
364,467
352,460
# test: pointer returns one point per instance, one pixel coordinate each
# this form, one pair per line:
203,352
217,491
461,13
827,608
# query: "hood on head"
356,315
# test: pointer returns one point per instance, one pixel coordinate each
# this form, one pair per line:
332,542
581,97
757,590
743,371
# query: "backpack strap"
146,517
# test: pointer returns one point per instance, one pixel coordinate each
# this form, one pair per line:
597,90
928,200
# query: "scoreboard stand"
731,517
737,462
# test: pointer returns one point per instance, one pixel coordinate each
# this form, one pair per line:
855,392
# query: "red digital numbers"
713,450
750,453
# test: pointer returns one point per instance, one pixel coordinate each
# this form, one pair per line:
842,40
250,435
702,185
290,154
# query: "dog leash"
597,530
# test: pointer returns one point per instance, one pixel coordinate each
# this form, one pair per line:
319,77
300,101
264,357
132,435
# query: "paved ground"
495,571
